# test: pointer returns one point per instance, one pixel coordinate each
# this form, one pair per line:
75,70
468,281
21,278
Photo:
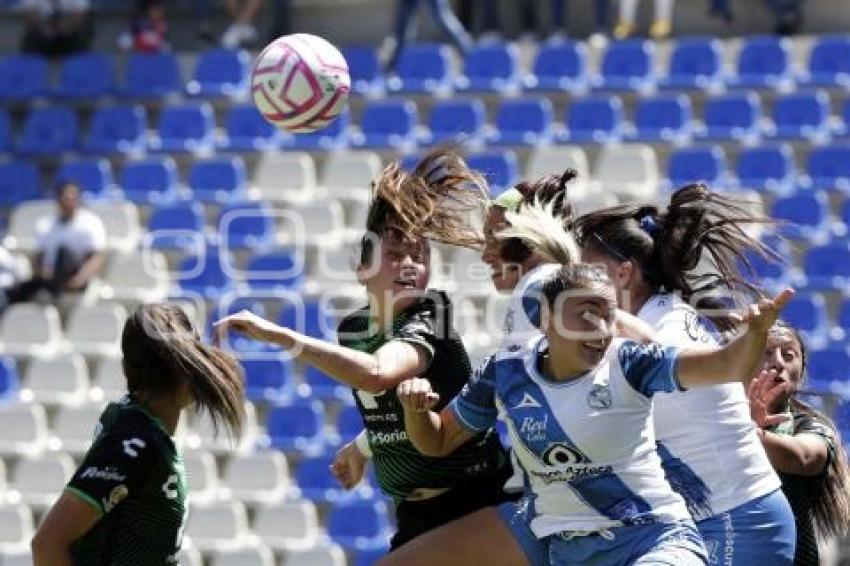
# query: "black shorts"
416,517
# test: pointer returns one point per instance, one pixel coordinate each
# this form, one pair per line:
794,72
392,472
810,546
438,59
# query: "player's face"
505,275
402,271
583,324
783,354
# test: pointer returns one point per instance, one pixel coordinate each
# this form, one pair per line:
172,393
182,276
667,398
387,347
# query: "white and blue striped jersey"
523,315
586,446
706,437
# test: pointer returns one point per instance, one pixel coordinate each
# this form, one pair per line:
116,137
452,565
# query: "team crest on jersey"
599,397
527,401
118,493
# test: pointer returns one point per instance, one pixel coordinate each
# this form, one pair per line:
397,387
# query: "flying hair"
537,226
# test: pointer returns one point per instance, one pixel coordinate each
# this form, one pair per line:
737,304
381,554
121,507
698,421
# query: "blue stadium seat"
842,420
244,346
332,136
455,121
5,132
845,213
364,68
423,67
246,225
697,163
828,167
807,312
769,272
23,77
349,423
50,130
19,182
387,124
801,115
524,121
297,427
318,385
268,379
93,176
218,179
559,67
763,62
807,214
831,365
360,525
247,130
152,75
843,319
308,317
316,483
280,270
370,557
220,72
10,382
204,275
842,129
827,266
593,119
86,75
185,127
626,65
829,62
731,117
117,129
177,226
766,168
662,118
152,180
490,67
500,168
696,63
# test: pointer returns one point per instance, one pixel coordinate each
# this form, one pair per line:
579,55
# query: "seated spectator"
441,10
10,270
789,15
661,24
241,31
55,28
70,252
148,28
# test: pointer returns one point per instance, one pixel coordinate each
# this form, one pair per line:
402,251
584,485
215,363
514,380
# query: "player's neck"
556,366
164,409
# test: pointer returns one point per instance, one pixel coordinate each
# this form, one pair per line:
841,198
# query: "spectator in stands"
149,28
443,14
559,19
661,25
10,272
721,9
481,17
801,443
241,30
70,251
55,28
789,15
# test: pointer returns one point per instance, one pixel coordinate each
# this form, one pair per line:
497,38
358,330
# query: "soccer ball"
300,83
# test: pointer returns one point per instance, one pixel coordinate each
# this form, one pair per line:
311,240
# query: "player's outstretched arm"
69,519
737,360
433,434
392,363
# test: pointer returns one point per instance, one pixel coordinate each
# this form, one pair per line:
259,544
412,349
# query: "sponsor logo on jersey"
599,397
384,438
118,493
130,447
695,329
534,430
559,455
527,401
106,474
389,417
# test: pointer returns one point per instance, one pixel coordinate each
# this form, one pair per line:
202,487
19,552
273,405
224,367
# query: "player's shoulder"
125,420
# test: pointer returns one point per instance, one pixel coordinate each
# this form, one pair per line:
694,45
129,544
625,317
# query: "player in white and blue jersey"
703,434
579,407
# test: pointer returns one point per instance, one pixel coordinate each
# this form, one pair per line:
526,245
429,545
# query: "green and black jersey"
400,467
134,477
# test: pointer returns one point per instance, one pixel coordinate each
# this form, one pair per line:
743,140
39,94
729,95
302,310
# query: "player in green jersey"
405,331
126,503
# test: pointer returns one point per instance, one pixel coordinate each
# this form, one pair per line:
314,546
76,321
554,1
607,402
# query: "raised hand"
247,323
761,315
416,395
763,393
348,465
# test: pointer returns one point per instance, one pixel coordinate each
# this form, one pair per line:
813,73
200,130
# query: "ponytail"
162,351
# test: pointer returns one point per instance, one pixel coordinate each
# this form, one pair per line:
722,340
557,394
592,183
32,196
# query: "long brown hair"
162,350
666,245
831,496
436,201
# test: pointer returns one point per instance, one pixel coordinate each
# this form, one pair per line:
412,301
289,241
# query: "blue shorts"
514,515
759,532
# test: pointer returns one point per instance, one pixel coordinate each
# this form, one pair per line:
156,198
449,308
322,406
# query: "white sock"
664,10
628,8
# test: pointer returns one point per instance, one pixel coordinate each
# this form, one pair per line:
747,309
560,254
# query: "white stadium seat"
38,481
325,555
121,222
218,526
285,177
252,556
467,273
16,527
109,382
28,329
23,429
257,477
73,428
20,557
138,278
201,434
319,224
555,160
629,171
348,175
27,220
59,380
288,525
190,556
201,475
96,330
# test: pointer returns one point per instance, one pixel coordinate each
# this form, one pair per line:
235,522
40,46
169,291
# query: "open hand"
763,394
416,395
247,323
761,315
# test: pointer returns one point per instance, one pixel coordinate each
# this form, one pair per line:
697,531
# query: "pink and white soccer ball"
300,83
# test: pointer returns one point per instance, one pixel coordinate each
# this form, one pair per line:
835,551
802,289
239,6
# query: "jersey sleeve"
650,368
806,423
475,406
116,467
420,330
684,328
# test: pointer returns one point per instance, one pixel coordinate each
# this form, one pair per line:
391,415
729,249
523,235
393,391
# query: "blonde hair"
538,227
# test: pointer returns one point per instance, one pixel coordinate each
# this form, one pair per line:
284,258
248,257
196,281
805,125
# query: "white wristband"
362,443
